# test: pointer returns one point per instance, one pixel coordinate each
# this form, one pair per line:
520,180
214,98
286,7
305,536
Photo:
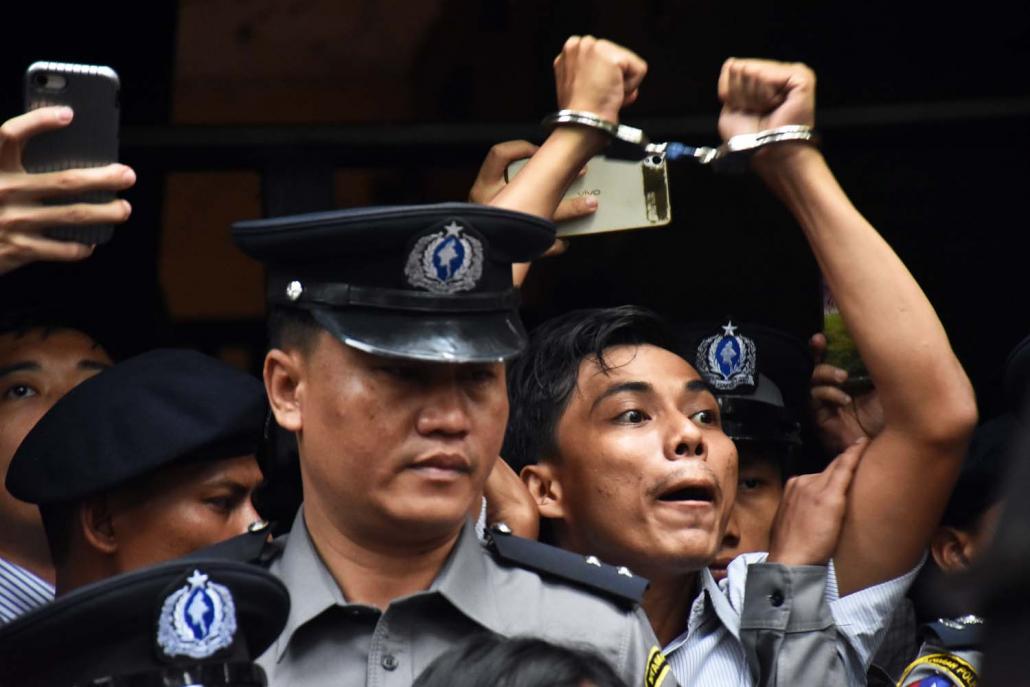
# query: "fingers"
830,395
634,68
760,86
557,248
27,219
572,208
596,75
818,345
502,155
842,468
114,177
490,179
825,374
15,131
26,248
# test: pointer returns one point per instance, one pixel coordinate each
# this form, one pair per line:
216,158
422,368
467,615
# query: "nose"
444,411
686,441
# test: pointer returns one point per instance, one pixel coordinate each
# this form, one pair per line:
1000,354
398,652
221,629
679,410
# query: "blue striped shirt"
21,591
710,652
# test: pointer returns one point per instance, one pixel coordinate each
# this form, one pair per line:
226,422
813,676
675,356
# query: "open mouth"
691,493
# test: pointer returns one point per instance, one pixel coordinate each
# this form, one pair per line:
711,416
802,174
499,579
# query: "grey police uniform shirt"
723,642
328,641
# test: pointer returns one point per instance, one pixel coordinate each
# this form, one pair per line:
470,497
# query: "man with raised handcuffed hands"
635,404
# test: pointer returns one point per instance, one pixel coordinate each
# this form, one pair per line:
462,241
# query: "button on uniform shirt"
21,591
710,652
329,641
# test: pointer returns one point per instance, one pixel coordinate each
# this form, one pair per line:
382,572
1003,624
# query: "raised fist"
762,94
598,76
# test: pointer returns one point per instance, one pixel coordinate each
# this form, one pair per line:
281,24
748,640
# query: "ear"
544,484
283,374
950,548
96,523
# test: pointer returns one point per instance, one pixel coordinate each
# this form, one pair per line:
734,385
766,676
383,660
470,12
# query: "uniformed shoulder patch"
253,546
616,583
957,671
955,633
656,668
729,360
445,261
197,619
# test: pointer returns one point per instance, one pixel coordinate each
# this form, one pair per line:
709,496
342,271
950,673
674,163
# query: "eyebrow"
622,387
699,386
33,366
19,367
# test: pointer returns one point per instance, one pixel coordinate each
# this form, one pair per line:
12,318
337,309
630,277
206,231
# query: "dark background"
233,109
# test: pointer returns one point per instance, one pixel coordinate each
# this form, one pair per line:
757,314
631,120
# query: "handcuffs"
631,143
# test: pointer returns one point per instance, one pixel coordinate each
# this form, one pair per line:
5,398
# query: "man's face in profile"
37,368
759,491
181,508
395,445
645,475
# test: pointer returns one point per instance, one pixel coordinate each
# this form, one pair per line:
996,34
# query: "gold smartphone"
630,195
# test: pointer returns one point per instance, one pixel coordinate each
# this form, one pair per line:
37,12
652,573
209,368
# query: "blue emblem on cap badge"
447,261
197,619
727,360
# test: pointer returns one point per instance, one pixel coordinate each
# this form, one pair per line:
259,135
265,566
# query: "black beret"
424,282
146,412
176,623
1017,375
760,374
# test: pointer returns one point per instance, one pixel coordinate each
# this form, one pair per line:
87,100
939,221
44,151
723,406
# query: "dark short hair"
19,322
489,659
292,328
981,481
542,379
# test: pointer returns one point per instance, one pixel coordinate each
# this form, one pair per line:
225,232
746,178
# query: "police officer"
389,332
196,622
147,461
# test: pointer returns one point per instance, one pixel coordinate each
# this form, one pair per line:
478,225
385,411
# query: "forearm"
901,340
539,186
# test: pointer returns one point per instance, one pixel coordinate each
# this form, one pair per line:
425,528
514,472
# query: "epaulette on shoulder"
616,583
252,546
955,633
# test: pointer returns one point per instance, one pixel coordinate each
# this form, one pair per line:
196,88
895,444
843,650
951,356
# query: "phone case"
630,195
91,140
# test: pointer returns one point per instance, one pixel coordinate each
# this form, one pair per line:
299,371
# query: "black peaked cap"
760,374
152,410
423,282
147,624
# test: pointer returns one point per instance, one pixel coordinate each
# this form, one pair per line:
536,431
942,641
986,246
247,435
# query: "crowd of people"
615,498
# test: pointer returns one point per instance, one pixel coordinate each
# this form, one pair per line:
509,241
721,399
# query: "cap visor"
437,337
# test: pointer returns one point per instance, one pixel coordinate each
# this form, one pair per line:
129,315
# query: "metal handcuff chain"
631,143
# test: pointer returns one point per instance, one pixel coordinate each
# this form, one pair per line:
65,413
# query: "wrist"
784,157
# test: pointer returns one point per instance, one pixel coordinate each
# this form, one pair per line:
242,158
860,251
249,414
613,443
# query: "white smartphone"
630,195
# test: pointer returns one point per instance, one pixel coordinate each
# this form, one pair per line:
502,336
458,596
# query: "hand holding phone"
629,195
24,216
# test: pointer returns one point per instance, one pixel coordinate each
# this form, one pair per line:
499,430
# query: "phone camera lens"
40,80
656,159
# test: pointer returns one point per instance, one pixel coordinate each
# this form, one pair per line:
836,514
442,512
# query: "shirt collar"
468,580
301,568
465,581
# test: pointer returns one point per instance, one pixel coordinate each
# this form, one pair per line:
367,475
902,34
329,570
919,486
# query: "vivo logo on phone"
589,192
